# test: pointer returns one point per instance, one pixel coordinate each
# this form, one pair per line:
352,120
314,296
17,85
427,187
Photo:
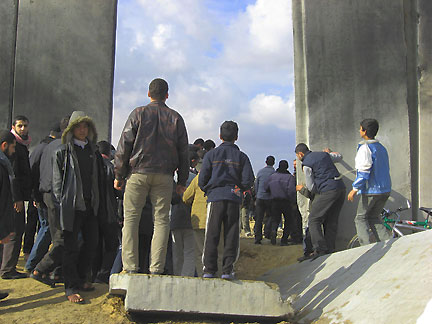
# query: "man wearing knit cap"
153,144
75,186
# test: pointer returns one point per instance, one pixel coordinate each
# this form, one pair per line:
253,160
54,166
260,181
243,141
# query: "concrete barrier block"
152,293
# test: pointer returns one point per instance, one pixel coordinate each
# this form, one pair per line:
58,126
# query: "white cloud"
214,65
272,110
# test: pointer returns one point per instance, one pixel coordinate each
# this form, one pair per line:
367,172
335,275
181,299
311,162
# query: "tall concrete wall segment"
64,62
425,100
356,59
8,24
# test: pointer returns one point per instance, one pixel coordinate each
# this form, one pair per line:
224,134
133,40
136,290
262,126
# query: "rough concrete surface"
65,62
154,293
350,59
8,21
387,282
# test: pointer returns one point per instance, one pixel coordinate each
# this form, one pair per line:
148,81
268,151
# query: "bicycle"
394,224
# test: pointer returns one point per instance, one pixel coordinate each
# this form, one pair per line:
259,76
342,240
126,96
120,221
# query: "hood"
76,118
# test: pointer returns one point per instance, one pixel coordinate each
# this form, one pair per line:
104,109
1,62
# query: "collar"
369,141
229,144
81,144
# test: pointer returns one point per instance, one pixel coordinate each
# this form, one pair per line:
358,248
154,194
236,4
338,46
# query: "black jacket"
108,210
6,203
35,160
22,182
154,140
225,173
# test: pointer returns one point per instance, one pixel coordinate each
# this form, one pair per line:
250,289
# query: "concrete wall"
356,59
8,22
64,62
425,101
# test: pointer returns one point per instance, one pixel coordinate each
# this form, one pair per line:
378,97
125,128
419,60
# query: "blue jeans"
43,240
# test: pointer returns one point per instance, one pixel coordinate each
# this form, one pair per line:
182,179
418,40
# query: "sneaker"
305,257
3,295
209,275
129,272
228,276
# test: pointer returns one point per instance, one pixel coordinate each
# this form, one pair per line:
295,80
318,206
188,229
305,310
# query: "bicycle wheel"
354,242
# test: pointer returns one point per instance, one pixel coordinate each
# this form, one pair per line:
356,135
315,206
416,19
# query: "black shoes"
13,275
311,256
3,295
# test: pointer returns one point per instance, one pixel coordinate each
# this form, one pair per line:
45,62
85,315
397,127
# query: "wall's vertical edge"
300,86
8,26
425,101
64,62
410,14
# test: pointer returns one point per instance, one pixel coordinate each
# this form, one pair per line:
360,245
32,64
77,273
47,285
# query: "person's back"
281,186
225,173
153,144
219,181
378,179
155,133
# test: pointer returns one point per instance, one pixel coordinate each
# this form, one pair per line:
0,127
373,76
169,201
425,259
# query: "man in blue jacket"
373,183
322,179
282,188
263,200
225,173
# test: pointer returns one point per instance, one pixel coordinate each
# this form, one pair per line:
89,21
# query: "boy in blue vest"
225,173
322,179
373,183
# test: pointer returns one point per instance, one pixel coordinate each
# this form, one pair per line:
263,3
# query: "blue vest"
323,170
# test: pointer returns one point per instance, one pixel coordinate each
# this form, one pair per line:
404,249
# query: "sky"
223,60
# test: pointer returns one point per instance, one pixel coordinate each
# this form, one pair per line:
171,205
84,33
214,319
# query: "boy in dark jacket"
225,173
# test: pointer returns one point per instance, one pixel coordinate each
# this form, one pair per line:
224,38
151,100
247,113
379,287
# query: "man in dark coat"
7,148
75,186
21,191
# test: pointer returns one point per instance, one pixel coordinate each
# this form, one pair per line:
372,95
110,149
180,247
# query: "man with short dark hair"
21,191
323,179
153,144
263,200
281,186
372,182
226,172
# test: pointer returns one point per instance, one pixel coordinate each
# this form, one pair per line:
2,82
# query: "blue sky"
223,60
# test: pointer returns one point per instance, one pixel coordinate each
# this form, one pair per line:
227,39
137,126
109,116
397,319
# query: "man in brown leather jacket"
153,144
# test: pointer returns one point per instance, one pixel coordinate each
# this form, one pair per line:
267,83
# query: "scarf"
26,142
4,160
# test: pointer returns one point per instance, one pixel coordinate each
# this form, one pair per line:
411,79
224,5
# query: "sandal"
75,298
36,275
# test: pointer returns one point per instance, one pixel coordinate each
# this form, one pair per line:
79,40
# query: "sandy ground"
32,302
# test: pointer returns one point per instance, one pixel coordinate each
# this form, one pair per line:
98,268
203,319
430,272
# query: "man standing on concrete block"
322,178
263,200
153,144
373,183
225,173
21,191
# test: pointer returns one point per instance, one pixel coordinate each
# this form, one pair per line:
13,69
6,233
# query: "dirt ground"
31,302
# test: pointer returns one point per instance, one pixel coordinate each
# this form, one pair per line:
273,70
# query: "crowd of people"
159,205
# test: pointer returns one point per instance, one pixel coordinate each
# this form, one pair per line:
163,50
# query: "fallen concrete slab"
153,293
387,282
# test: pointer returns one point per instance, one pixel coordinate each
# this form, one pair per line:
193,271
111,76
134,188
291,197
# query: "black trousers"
283,207
263,206
227,213
325,212
54,258
106,251
78,258
12,249
31,227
